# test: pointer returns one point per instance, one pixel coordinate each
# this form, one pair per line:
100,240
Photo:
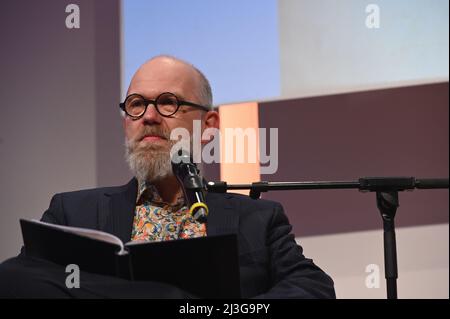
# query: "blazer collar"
117,210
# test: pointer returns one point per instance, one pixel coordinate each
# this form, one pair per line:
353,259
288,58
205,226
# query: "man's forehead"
166,67
151,90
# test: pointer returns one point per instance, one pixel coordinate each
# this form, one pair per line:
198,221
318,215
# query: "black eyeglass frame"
155,104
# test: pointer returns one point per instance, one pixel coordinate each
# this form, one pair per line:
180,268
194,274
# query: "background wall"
326,47
234,42
60,124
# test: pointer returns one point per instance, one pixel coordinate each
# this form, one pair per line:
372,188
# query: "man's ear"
211,120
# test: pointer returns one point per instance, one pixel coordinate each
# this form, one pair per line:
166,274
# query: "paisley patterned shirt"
156,220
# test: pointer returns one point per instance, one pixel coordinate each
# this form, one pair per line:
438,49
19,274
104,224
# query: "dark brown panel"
211,172
390,132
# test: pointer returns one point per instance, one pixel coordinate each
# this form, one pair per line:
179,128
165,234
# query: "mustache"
152,130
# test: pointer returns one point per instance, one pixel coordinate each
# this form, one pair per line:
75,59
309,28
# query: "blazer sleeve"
54,215
292,275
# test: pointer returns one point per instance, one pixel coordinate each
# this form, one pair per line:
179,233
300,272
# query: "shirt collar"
148,192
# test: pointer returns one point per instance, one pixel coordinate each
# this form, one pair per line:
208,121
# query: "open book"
205,266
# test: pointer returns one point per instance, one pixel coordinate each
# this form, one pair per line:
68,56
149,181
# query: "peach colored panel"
244,116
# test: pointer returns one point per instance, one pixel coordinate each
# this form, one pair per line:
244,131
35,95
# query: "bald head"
168,74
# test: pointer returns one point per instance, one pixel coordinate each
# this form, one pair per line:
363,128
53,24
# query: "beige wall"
423,254
325,46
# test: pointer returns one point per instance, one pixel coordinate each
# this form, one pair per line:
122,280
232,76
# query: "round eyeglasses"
167,104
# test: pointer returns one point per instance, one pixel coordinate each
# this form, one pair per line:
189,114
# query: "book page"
139,242
89,233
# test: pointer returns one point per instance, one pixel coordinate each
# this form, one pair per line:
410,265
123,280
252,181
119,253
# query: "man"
164,94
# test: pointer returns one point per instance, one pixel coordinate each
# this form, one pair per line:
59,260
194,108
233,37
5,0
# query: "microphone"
187,173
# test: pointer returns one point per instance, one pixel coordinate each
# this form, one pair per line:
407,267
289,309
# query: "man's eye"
167,102
137,103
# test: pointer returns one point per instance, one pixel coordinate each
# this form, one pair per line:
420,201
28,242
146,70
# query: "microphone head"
179,159
188,175
186,171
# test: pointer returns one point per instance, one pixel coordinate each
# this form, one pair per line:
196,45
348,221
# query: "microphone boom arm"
386,189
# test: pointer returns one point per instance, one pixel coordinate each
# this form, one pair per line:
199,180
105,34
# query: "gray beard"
148,162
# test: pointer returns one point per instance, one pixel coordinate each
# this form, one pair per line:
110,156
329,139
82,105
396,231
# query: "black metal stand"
387,204
386,189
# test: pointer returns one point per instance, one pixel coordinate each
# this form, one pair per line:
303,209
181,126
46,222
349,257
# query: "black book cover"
206,266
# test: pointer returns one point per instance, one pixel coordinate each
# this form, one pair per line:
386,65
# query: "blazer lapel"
116,211
223,215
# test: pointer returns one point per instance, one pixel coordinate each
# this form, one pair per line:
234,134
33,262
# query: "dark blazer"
271,263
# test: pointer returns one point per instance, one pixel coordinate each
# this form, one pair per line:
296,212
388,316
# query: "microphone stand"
386,189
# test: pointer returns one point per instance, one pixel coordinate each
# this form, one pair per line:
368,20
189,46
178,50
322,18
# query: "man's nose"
151,115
